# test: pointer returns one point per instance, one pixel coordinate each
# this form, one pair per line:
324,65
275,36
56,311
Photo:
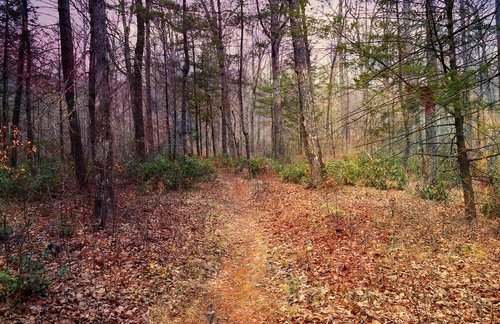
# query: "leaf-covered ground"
356,254
259,250
160,250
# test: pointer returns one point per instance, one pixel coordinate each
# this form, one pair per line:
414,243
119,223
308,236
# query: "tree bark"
68,67
185,71
104,201
29,68
428,98
149,99
240,84
458,115
136,85
305,89
5,73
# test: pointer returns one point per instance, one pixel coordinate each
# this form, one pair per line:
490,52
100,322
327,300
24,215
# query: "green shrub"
34,182
31,278
491,206
360,170
274,165
437,192
295,173
174,175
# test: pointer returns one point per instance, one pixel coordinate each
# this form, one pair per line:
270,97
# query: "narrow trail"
237,294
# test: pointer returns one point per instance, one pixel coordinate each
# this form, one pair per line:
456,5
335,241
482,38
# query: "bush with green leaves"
295,173
438,191
361,170
30,279
33,182
491,206
174,174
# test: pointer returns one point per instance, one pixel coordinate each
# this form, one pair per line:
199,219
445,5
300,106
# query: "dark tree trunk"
92,84
104,202
68,67
4,117
29,65
305,89
136,85
149,98
458,115
16,112
185,71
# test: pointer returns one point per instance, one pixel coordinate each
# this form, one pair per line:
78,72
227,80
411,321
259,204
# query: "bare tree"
68,67
104,201
305,89
147,66
136,84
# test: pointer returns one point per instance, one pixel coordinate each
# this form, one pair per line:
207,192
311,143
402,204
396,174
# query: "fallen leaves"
160,249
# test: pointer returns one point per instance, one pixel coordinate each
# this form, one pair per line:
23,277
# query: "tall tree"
5,65
104,200
147,66
458,116
136,84
185,72
240,84
21,57
29,69
305,90
68,67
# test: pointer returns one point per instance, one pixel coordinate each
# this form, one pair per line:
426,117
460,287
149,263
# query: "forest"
250,161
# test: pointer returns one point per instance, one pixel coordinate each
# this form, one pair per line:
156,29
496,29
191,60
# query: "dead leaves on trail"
359,254
340,254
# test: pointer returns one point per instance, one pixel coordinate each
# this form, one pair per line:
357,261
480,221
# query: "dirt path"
238,294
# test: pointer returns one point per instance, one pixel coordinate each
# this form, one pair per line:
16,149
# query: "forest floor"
262,251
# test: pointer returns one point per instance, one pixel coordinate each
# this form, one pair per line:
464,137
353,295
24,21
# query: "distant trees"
412,81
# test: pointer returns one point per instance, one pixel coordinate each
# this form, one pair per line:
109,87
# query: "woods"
107,103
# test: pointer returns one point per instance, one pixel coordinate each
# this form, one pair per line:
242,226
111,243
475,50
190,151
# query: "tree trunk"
68,67
29,65
167,94
185,71
104,202
136,85
5,73
240,84
305,89
458,115
344,95
428,98
149,99
16,112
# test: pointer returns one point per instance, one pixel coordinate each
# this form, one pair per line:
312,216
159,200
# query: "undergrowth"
33,182
172,174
